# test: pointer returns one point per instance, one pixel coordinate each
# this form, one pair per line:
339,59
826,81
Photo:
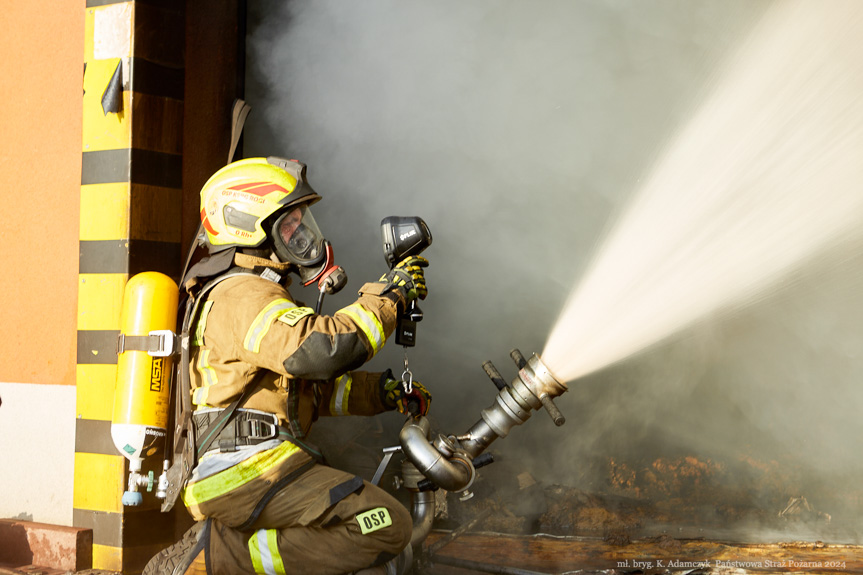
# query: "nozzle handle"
518,358
426,485
483,459
494,375
552,410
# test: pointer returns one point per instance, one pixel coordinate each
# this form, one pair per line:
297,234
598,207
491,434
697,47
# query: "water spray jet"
763,178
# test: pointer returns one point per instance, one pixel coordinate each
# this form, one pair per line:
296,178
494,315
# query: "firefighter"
264,500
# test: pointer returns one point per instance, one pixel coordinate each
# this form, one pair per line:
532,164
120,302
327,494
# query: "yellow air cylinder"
142,391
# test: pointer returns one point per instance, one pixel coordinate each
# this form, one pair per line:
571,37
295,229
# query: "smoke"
519,131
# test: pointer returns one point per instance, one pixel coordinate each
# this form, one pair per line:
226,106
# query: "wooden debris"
553,554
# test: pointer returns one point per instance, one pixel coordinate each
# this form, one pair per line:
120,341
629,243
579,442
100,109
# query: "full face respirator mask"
298,239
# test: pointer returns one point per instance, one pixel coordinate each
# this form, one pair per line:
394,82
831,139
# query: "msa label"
373,520
293,315
156,375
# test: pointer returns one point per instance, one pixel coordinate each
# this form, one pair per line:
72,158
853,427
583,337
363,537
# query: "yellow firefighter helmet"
241,202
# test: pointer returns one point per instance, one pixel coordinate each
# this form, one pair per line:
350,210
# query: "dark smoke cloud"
517,130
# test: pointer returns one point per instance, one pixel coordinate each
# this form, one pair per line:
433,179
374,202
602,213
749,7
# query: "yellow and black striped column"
131,180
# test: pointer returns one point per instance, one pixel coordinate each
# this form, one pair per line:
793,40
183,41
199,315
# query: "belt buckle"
258,426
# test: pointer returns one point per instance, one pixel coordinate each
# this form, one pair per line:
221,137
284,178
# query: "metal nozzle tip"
543,372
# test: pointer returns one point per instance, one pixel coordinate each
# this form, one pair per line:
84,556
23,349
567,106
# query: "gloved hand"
408,278
394,396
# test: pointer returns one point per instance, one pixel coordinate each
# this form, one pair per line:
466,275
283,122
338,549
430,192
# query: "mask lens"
302,243
288,225
298,238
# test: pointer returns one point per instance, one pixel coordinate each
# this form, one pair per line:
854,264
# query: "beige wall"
42,46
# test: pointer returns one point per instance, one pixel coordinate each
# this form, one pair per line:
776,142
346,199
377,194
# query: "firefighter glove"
408,278
416,402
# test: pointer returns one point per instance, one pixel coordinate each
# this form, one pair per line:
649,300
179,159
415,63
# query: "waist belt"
247,427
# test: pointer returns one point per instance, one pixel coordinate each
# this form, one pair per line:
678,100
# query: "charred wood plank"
550,554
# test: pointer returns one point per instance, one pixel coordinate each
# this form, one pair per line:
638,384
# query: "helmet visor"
297,237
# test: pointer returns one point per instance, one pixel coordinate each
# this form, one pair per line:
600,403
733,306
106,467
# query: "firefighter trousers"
324,522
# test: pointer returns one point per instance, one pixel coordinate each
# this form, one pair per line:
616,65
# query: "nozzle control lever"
494,375
552,410
518,358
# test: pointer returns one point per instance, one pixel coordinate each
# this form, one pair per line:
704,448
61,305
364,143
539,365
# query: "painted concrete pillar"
131,185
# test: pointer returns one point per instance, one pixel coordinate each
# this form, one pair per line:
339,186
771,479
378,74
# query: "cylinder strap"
137,343
160,343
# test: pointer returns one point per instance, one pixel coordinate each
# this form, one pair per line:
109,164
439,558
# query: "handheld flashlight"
404,236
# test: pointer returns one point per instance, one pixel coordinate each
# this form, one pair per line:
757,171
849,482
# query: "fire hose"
450,462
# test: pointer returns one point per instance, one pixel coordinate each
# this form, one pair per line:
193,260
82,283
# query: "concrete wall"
37,427
40,176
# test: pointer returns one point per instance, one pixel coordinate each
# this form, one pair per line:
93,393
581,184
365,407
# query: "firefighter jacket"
251,332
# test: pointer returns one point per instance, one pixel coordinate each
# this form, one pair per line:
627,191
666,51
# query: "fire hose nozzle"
539,380
451,461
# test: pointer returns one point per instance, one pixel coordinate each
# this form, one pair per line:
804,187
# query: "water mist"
765,175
